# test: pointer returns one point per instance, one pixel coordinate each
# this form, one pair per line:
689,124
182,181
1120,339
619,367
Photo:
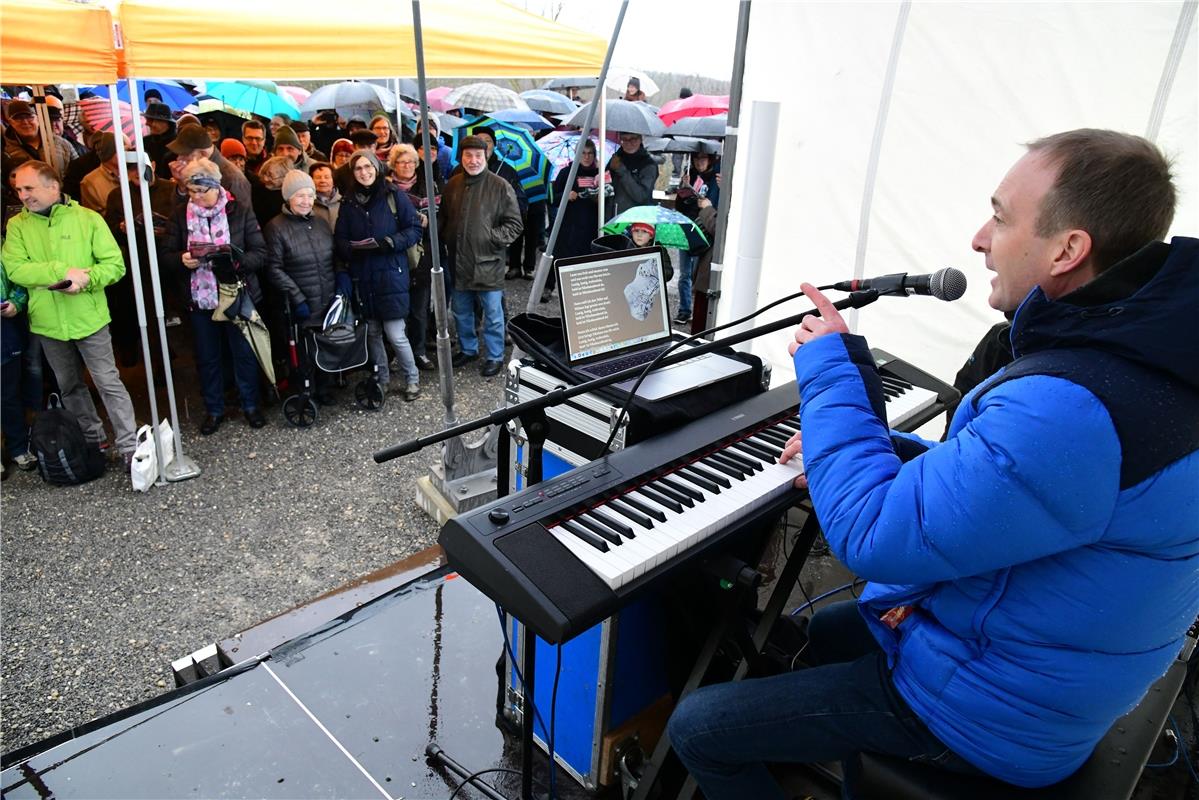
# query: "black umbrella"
709,127
624,117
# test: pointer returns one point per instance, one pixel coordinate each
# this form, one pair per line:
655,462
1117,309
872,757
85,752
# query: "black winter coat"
580,223
633,178
299,259
422,272
246,237
381,275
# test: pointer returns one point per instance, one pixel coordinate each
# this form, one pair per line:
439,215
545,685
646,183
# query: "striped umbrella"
516,147
97,113
485,97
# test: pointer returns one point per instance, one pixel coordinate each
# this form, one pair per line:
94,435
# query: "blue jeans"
493,322
396,332
687,264
207,336
726,733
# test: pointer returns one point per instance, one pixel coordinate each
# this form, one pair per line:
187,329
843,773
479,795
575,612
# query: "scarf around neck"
207,226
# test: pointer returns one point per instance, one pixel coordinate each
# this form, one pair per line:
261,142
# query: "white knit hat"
294,181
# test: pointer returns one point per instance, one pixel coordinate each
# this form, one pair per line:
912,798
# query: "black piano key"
661,488
643,507
899,384
754,450
700,481
703,472
739,471
613,523
661,499
774,436
682,488
789,424
612,537
628,512
737,458
586,535
714,464
770,447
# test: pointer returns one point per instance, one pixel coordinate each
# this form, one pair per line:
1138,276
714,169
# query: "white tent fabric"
972,82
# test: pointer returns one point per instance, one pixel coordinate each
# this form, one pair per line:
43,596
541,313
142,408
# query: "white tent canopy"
970,83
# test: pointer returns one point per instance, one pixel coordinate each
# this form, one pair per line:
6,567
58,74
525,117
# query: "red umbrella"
97,113
697,105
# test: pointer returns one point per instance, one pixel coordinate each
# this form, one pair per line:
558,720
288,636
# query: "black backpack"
64,456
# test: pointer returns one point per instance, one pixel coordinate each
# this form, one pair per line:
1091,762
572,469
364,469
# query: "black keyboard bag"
541,339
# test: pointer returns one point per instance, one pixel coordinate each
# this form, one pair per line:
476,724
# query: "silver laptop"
615,315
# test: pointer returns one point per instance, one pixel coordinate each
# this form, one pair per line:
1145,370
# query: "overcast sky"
693,37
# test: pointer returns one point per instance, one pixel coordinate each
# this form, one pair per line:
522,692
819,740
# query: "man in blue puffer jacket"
1035,573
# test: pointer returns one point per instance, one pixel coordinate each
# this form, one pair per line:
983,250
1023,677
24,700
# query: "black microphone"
944,284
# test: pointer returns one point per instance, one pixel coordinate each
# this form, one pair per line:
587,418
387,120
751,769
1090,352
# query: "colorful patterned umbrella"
516,147
671,229
559,147
485,97
697,105
251,98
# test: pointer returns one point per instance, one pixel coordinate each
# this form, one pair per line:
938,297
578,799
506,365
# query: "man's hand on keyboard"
794,449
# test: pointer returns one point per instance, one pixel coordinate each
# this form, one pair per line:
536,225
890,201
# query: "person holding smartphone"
65,255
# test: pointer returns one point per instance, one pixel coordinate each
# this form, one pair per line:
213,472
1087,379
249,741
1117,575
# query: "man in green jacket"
55,242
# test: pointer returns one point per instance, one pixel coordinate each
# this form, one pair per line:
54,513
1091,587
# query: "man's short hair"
47,173
252,124
1115,186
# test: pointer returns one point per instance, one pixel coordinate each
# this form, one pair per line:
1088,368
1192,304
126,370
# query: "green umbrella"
671,229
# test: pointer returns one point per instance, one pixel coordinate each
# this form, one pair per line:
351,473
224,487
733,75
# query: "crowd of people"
295,213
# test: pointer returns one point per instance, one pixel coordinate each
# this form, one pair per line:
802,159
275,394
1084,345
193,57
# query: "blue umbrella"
528,119
173,94
245,97
515,146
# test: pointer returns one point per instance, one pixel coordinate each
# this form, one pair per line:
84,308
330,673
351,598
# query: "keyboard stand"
727,624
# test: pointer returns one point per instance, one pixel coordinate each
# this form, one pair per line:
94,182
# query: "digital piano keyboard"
568,552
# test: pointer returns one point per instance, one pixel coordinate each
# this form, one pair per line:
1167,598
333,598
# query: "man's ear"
1074,252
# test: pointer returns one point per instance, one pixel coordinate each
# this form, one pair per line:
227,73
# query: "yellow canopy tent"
56,41
300,39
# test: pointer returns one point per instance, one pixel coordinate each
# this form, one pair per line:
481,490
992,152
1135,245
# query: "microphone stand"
536,426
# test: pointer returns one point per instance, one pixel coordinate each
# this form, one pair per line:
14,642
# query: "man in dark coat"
479,219
634,173
162,133
194,143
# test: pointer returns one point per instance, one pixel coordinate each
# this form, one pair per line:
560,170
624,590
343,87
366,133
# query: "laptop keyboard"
638,359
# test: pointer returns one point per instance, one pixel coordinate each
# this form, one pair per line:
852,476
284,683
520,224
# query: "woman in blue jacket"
375,227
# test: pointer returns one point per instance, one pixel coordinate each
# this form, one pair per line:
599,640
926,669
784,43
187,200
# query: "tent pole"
547,256
42,112
181,467
135,272
709,295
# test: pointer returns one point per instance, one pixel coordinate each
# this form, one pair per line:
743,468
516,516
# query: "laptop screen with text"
612,302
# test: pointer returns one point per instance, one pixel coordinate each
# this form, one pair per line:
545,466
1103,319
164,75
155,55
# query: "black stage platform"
344,711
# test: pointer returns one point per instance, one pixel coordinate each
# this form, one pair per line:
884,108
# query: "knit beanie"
645,226
232,147
296,180
286,135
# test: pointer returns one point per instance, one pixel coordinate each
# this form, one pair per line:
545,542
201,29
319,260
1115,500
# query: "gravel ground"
104,587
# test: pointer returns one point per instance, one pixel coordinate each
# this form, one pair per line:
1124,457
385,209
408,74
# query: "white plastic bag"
143,471
166,442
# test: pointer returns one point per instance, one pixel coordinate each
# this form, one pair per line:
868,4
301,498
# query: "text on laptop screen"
613,303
